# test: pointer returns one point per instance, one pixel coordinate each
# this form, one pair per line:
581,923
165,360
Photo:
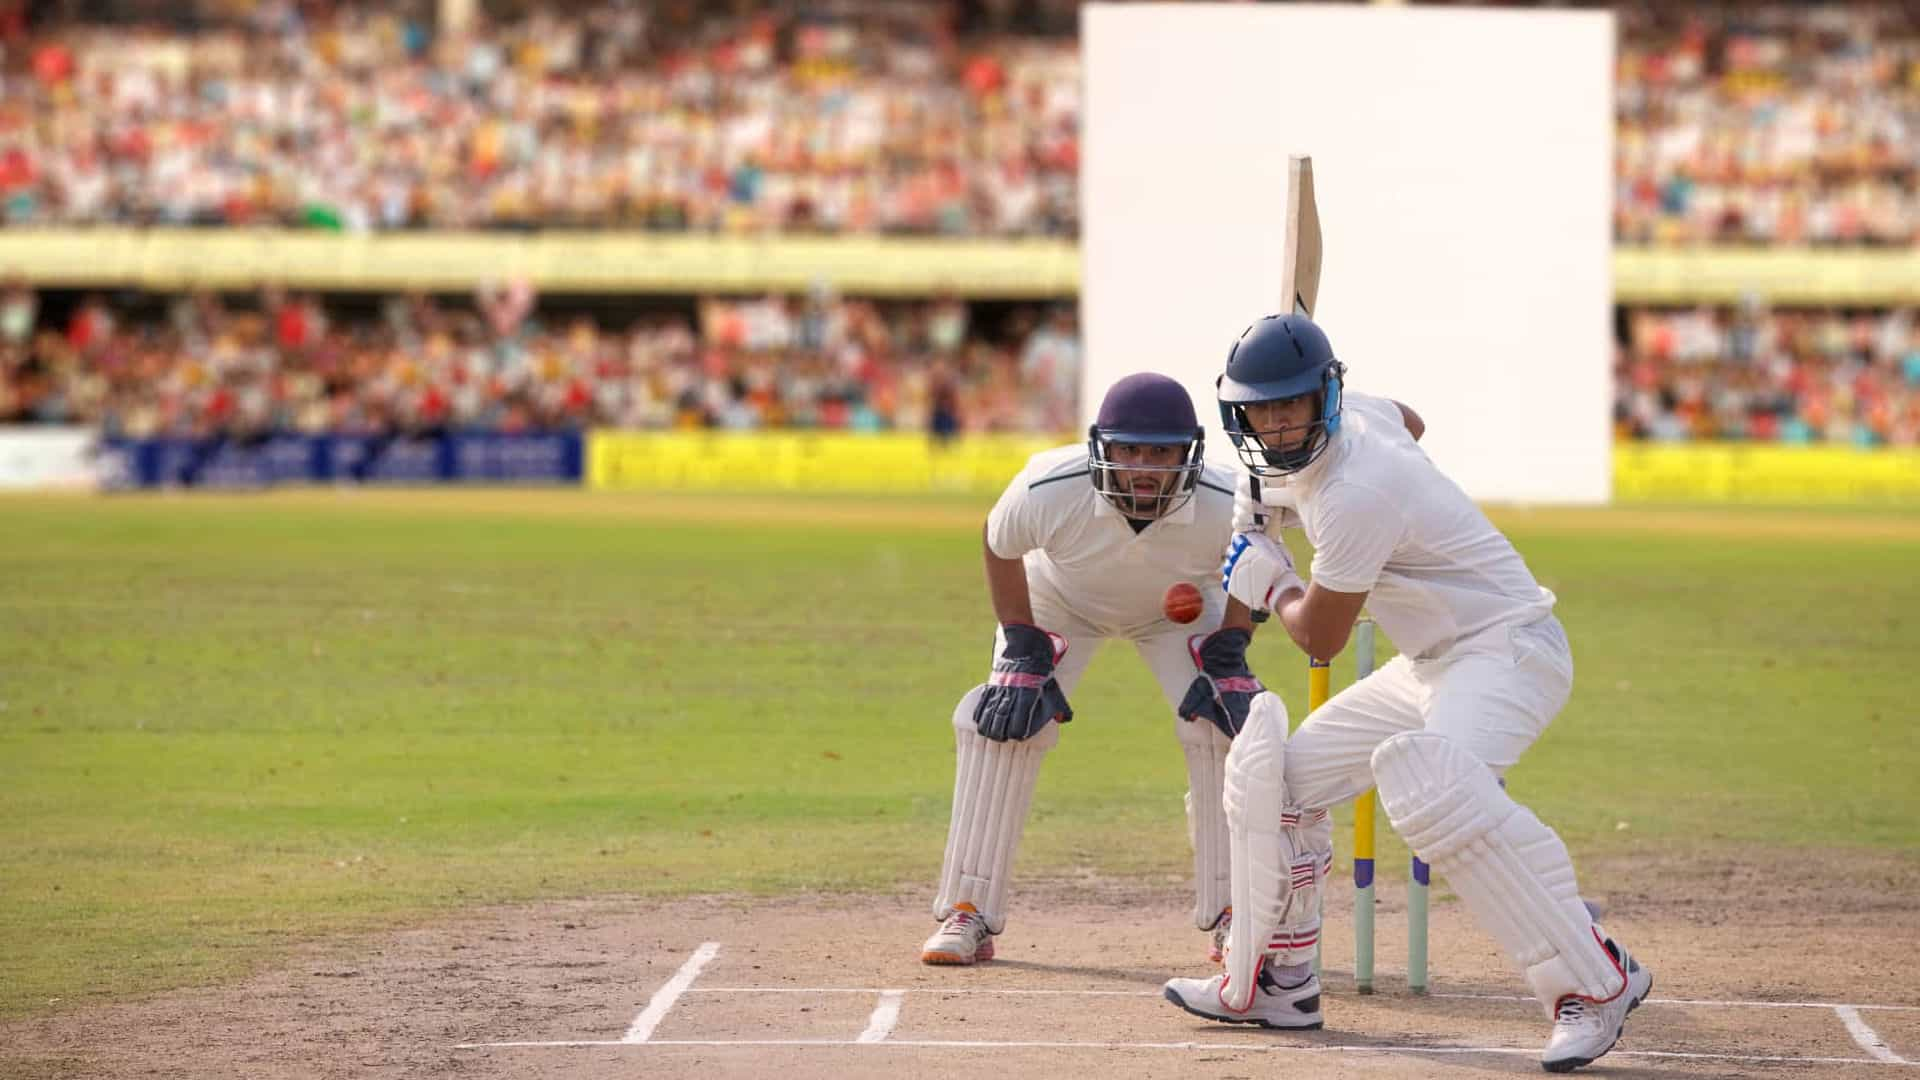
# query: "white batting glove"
1257,571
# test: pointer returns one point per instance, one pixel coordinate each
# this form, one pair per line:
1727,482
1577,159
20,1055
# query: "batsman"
1079,551
1484,668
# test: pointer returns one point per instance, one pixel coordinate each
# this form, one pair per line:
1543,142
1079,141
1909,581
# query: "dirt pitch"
1783,965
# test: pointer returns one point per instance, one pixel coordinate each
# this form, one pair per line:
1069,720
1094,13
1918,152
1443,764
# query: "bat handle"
1259,520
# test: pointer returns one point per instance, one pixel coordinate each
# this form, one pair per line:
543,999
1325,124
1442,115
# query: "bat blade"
1300,265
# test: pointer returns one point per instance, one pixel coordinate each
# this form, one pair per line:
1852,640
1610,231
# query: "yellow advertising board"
912,463
1765,473
626,261
1863,277
610,261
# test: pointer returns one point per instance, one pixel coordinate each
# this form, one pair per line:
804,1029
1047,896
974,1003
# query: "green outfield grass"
229,724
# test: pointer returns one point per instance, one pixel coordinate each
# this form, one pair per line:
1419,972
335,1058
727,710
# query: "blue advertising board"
232,462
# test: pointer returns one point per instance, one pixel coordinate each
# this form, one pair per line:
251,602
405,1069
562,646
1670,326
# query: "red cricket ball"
1183,603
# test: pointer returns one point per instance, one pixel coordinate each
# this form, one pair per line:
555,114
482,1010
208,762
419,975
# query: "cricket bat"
1299,269
1300,261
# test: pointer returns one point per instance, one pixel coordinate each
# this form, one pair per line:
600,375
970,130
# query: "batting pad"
1511,870
1276,876
992,789
1206,748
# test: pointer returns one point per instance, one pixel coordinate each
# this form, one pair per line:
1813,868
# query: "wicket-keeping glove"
1021,695
1224,689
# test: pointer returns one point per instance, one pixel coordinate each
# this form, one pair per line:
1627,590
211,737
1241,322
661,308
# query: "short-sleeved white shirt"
1080,551
1384,520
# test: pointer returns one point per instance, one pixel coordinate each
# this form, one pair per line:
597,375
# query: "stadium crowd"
1737,123
1768,124
850,117
286,363
1749,373
1765,124
501,362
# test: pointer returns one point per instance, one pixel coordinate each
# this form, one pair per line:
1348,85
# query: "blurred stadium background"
258,242
830,249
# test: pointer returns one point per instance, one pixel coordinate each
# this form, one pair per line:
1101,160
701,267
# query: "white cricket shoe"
962,939
1217,937
1584,1029
1294,1009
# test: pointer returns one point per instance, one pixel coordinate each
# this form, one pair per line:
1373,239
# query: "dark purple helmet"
1145,410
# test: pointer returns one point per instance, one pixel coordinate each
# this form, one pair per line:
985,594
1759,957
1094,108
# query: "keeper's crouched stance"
1485,667
1079,550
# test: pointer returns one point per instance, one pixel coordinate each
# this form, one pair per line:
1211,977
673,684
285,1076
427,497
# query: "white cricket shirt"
1078,547
1383,519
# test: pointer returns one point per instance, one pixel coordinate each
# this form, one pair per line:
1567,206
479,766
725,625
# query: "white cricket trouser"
1492,694
1163,648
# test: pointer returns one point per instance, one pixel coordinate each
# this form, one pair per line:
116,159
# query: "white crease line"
1707,1002
911,990
885,1015
951,1044
1155,993
664,997
1869,1040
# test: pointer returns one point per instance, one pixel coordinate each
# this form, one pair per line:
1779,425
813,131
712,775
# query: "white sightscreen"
1463,165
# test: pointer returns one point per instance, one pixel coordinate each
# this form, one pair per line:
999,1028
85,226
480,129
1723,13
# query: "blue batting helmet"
1146,409
1277,358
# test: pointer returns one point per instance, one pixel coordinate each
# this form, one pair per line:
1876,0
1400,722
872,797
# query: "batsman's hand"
1021,695
1224,689
1257,571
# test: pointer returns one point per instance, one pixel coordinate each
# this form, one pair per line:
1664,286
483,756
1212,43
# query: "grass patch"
230,724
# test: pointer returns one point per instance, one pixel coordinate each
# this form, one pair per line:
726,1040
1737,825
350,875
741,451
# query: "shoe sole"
946,959
1253,1021
1570,1064
949,959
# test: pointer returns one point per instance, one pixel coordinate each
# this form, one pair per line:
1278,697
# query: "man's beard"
1147,505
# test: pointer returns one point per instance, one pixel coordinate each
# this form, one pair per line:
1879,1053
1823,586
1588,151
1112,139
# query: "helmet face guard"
1280,358
1176,483
1263,450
